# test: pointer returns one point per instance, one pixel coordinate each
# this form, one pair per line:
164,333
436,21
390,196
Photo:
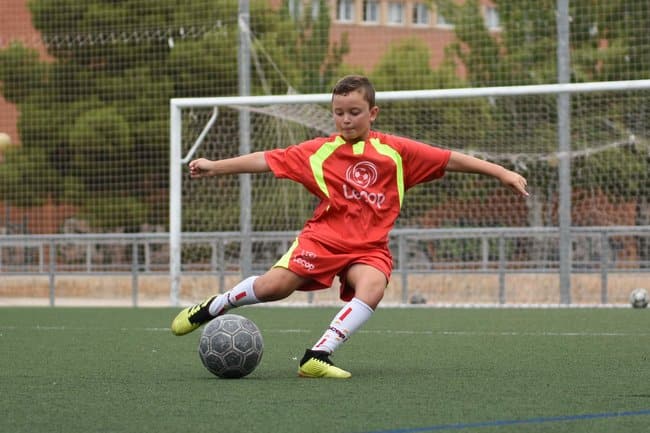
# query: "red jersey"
360,186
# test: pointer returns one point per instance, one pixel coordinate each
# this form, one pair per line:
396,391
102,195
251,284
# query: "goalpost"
516,126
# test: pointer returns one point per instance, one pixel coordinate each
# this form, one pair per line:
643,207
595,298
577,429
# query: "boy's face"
353,116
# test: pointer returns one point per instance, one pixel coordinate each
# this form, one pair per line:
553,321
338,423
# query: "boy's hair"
352,83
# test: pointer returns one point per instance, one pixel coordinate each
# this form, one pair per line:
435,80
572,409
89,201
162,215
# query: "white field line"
388,332
158,303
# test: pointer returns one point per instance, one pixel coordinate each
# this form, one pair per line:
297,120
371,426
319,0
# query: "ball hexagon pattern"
231,346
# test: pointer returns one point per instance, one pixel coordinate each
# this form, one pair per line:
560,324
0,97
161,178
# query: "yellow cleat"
192,317
317,364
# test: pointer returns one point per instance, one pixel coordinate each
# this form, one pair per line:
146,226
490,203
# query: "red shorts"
311,259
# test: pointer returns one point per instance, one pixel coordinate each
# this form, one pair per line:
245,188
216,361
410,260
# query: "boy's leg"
316,362
347,321
277,283
193,317
369,284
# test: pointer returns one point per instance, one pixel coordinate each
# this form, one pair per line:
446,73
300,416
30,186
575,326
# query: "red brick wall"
16,25
46,219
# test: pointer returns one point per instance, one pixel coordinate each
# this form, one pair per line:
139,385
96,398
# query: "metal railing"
495,251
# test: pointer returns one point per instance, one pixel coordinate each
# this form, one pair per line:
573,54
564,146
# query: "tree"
94,120
313,53
608,42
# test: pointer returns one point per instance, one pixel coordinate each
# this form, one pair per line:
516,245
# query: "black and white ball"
231,346
639,298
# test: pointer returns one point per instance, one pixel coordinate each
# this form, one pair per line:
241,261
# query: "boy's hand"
514,181
200,168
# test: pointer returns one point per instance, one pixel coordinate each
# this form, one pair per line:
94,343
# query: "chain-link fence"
85,90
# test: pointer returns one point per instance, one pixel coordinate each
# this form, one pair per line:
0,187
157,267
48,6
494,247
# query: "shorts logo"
363,174
304,259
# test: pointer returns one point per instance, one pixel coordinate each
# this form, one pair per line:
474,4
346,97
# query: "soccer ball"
639,298
231,346
418,298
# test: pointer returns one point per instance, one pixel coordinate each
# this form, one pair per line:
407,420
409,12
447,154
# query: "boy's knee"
371,295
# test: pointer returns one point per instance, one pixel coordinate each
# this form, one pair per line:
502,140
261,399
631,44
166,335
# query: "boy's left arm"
469,164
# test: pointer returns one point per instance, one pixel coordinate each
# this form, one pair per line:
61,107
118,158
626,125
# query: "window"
295,9
370,11
492,18
420,14
345,10
441,21
395,13
315,9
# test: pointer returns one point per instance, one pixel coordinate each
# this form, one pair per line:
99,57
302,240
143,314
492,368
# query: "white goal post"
184,143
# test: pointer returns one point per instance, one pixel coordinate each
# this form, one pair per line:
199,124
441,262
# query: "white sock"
346,322
241,294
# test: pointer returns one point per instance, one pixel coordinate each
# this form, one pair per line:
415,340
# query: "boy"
360,177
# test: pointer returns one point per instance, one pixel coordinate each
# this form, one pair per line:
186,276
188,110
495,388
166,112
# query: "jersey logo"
363,174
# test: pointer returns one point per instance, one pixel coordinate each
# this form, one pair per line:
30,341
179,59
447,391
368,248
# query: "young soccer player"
360,177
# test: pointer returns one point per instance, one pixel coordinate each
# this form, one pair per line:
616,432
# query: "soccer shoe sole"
315,368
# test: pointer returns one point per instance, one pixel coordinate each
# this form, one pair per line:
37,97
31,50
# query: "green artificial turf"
414,370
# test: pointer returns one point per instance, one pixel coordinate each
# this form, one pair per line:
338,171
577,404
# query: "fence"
84,138
487,254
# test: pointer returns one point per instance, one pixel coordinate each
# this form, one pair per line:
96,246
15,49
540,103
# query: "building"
372,25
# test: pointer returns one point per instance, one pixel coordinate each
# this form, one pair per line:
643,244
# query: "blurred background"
85,91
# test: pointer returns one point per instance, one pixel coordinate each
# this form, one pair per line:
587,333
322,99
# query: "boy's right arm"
250,163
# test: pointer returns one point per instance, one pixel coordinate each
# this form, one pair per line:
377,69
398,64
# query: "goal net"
462,239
